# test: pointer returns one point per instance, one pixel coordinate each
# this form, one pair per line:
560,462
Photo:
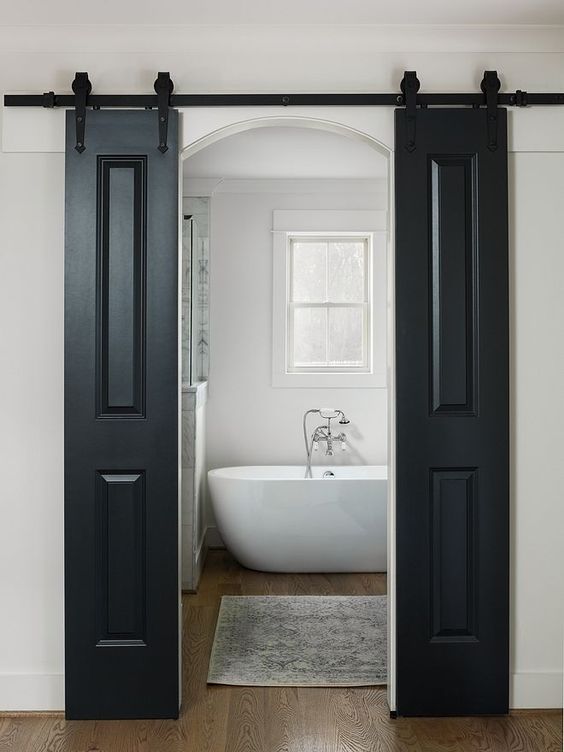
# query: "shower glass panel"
195,290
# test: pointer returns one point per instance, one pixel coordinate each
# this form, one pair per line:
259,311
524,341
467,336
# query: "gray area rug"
300,641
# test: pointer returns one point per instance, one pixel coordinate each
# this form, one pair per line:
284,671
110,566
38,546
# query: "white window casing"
293,227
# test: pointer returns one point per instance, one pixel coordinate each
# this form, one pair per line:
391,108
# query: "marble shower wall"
195,366
195,290
193,483
186,297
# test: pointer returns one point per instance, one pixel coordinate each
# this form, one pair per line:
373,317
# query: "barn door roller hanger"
490,97
490,86
82,88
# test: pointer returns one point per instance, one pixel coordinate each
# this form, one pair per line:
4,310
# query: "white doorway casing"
202,127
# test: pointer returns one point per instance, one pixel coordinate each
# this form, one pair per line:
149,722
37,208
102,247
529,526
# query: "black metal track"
49,99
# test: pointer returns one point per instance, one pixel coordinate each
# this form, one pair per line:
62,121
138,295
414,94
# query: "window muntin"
328,304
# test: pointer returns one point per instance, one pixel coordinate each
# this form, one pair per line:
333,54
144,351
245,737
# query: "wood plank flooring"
277,719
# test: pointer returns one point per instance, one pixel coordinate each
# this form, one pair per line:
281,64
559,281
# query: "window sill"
330,380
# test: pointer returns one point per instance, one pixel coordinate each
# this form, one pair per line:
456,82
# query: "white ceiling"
283,152
482,12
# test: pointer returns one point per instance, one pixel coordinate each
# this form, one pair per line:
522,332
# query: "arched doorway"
202,129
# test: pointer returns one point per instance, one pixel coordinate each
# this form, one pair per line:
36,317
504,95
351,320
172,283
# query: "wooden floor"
277,719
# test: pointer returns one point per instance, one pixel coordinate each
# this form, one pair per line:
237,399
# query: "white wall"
250,422
31,431
537,424
313,58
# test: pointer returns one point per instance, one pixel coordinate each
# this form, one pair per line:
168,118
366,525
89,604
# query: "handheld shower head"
330,413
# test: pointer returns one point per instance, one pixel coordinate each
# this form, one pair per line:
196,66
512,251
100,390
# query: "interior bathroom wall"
250,176
250,422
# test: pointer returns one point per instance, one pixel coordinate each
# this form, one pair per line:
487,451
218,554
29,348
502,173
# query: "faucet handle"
343,440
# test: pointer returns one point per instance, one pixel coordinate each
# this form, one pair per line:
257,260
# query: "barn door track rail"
490,97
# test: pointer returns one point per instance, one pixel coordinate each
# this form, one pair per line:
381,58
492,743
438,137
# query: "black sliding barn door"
452,415
121,408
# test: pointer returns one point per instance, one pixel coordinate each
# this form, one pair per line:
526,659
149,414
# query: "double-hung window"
328,304
329,298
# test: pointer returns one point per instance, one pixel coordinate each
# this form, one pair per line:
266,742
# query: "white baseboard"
32,692
536,690
199,560
213,538
29,692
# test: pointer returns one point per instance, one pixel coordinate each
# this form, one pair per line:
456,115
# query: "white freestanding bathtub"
275,520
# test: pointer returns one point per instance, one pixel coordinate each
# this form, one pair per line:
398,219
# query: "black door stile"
121,419
452,415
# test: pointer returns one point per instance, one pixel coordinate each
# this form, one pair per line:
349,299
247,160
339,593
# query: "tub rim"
226,473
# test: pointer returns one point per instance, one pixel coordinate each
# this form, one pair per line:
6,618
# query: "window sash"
362,367
327,239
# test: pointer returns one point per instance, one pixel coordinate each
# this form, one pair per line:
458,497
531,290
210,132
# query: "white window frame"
290,226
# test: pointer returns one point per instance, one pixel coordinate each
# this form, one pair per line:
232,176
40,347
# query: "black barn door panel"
452,415
121,419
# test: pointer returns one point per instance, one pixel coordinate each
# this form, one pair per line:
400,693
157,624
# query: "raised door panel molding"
121,553
453,555
121,284
453,280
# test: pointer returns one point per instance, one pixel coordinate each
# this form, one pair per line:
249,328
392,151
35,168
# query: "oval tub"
273,519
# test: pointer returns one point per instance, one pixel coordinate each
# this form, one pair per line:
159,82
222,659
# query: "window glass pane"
346,272
346,337
309,270
310,336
